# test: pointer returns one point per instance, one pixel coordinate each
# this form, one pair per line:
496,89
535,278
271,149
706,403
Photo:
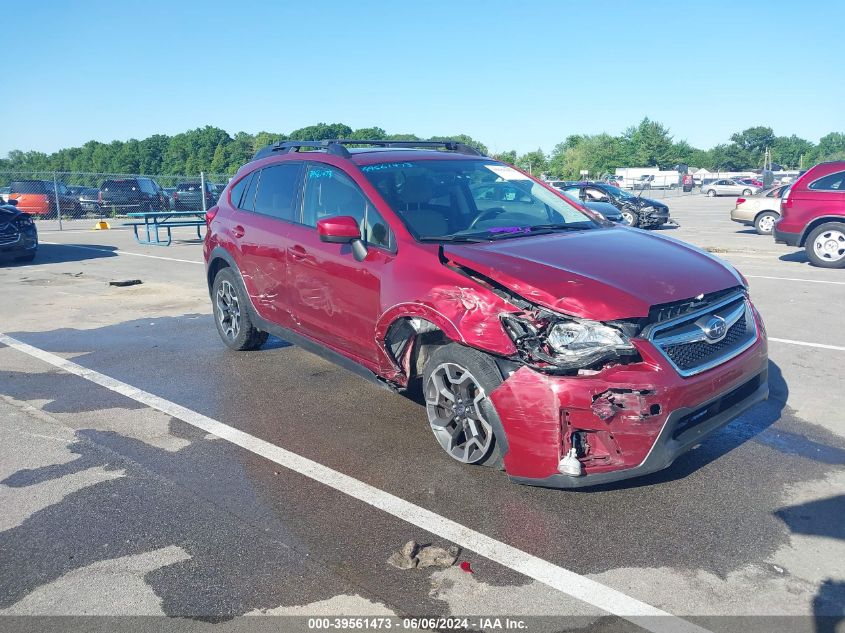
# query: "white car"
760,211
729,187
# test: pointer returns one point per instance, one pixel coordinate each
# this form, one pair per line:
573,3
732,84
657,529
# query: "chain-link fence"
73,196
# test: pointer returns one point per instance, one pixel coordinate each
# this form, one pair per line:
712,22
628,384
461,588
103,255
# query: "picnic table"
154,221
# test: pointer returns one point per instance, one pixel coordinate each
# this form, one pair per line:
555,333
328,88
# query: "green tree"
830,147
506,157
649,144
321,132
788,150
753,142
535,163
368,134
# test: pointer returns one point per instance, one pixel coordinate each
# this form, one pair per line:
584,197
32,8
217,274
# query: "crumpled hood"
601,274
7,213
648,202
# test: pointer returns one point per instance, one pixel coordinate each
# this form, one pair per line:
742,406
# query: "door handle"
298,252
238,231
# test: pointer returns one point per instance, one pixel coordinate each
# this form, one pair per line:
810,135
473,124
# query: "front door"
334,298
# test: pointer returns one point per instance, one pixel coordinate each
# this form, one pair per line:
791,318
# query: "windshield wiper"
452,238
559,227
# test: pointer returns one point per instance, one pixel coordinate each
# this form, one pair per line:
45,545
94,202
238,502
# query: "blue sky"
515,75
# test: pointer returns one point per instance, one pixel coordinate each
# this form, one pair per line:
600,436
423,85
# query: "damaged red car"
543,339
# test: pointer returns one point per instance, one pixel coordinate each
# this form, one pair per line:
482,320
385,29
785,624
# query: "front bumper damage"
624,421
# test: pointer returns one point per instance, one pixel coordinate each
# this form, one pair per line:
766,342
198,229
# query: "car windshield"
616,192
471,200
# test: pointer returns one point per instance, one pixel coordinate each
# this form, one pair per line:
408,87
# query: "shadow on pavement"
58,253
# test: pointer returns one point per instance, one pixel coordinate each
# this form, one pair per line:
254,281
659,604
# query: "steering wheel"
487,214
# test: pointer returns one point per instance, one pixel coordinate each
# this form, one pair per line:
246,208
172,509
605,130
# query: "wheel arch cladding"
817,222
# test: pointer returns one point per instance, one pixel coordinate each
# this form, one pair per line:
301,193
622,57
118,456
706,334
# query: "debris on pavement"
126,282
465,566
414,555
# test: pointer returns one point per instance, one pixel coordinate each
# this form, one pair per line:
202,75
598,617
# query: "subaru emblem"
715,328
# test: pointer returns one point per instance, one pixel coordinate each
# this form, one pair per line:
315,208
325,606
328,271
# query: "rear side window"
831,182
120,185
237,190
247,202
277,191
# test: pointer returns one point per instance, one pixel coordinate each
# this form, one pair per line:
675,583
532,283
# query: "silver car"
729,187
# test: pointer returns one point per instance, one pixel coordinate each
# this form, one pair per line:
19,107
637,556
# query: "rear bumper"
785,237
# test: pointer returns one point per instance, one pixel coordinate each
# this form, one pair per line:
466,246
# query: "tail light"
175,196
99,197
209,215
739,201
786,201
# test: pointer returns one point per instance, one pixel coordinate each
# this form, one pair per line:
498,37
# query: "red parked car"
812,215
566,349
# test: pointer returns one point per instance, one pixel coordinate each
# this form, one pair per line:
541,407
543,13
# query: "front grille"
692,347
690,355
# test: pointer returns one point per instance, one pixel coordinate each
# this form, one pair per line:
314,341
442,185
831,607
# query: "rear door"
261,232
334,298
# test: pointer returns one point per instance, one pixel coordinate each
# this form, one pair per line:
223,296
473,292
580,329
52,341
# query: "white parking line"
120,252
809,281
838,348
566,581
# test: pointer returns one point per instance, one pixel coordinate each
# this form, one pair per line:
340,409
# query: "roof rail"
337,146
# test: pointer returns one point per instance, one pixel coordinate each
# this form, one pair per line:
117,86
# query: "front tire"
457,381
630,218
231,314
711,193
746,192
765,222
825,245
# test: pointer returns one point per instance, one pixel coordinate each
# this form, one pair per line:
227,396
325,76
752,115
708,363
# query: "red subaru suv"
566,349
812,215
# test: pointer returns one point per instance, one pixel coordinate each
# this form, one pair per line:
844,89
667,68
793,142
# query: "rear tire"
457,381
746,192
765,222
825,245
231,314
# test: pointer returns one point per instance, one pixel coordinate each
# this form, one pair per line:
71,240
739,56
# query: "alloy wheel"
453,400
228,310
830,245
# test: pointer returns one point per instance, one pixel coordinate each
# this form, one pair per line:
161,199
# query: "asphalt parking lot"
116,507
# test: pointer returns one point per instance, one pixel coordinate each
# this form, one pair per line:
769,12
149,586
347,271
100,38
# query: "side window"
594,194
236,192
277,191
330,192
248,200
831,182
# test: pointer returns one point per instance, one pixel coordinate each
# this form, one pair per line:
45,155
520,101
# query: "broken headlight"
564,343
